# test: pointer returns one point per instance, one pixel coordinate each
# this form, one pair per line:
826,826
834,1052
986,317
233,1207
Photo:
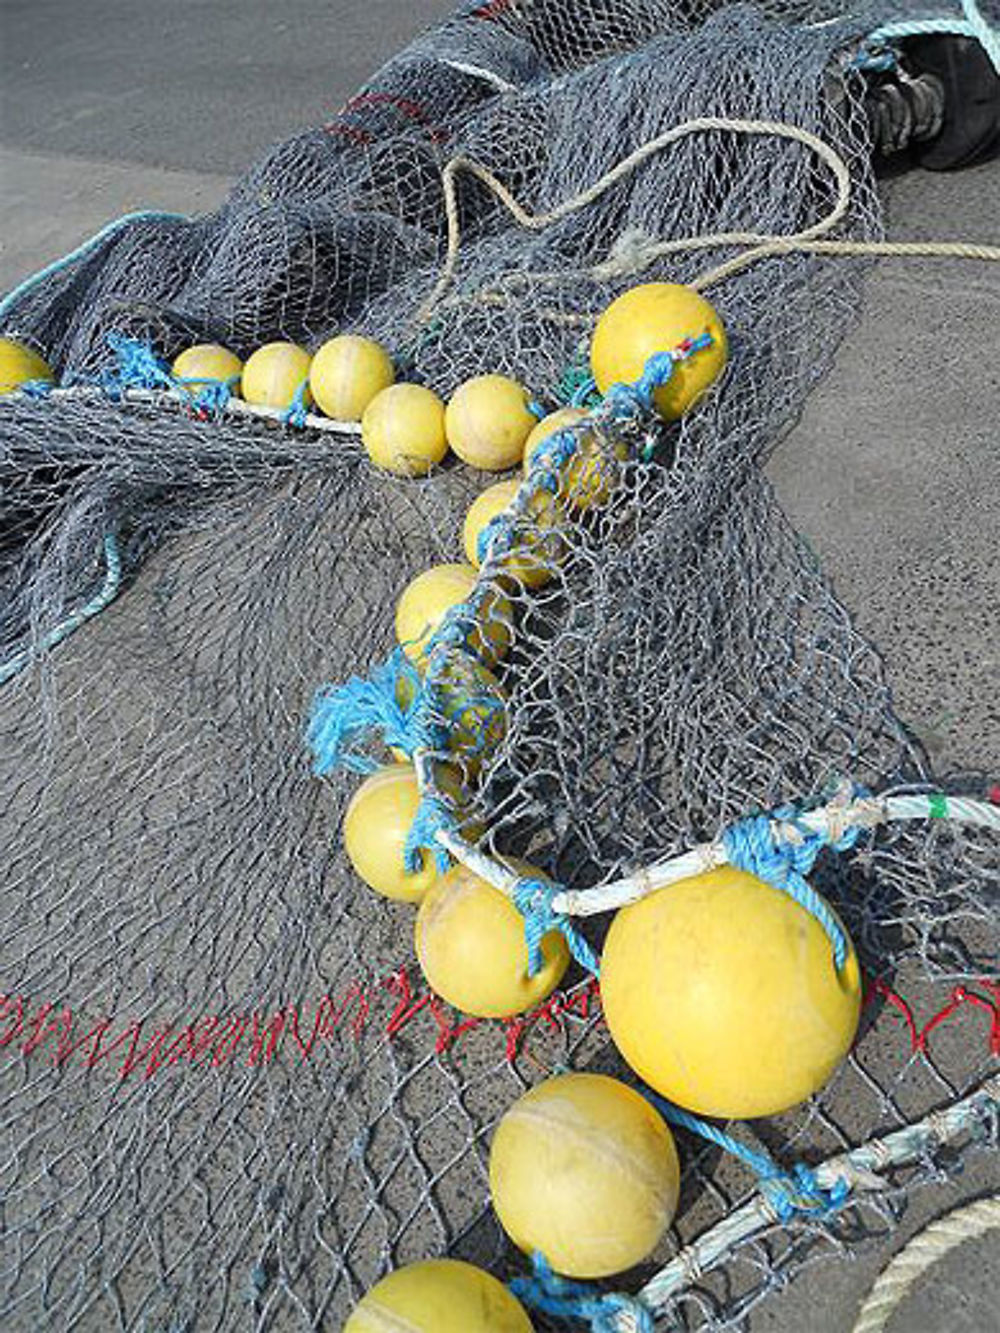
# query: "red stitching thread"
411,110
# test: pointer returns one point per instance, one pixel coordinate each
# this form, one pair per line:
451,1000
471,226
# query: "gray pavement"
893,472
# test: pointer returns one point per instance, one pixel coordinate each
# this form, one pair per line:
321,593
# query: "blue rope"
974,25
536,409
550,456
102,598
752,845
297,411
344,717
584,391
433,817
790,1193
495,538
136,367
627,399
214,395
36,388
533,899
555,1295
82,252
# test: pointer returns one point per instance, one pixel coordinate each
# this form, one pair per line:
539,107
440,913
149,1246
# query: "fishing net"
230,1101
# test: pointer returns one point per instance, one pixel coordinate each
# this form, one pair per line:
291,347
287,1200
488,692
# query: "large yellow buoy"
538,545
428,597
583,1169
658,317
721,992
205,363
471,947
402,430
588,477
439,1296
376,826
274,374
346,374
488,421
19,364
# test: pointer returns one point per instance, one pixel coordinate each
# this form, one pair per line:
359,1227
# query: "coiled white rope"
925,1249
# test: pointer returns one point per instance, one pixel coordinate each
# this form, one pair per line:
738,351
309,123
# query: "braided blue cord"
495,538
536,409
751,845
533,899
344,717
587,389
555,1295
790,1193
974,25
549,457
297,411
433,817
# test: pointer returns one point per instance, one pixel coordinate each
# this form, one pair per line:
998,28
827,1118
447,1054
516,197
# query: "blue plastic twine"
345,717
752,845
790,1193
555,1295
136,367
533,899
296,413
433,817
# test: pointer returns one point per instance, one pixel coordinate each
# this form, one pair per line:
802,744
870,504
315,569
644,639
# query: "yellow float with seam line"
658,317
488,421
274,374
346,373
439,1296
721,992
538,546
402,430
585,1170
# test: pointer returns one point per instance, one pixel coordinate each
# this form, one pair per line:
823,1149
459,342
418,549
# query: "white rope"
925,1249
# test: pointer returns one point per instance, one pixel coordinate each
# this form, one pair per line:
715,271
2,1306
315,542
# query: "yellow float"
583,1169
204,363
439,1296
274,374
426,600
471,947
537,549
488,421
588,477
346,373
658,317
721,992
376,826
19,364
402,429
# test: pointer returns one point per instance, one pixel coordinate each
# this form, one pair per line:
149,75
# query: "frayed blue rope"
349,715
790,1193
214,395
555,1295
136,367
433,817
533,899
751,845
550,456
297,411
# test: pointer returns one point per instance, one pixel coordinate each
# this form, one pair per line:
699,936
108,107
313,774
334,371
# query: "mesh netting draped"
229,1100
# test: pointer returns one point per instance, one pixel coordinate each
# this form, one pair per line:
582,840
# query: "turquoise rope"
533,899
559,1296
82,252
973,25
106,595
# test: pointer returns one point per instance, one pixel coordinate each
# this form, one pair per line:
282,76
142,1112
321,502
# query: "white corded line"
919,1254
833,819
858,1167
808,240
236,407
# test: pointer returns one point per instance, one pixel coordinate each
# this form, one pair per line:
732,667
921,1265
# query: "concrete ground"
893,472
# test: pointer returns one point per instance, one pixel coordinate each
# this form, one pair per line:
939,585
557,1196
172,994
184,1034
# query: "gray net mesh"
229,1100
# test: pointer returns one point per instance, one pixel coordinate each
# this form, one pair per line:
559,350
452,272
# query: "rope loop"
608,1312
798,1193
783,859
533,899
433,817
297,412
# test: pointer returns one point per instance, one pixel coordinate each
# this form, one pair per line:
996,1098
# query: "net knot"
389,704
295,415
781,850
605,1312
433,817
136,367
798,1193
533,899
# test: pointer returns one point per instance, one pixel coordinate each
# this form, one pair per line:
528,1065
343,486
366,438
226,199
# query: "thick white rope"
922,1252
809,240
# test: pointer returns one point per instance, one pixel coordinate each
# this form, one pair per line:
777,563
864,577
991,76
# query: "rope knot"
433,817
390,704
136,367
533,899
296,412
798,1193
607,1312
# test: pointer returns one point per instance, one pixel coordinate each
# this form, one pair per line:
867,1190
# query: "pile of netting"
230,1100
